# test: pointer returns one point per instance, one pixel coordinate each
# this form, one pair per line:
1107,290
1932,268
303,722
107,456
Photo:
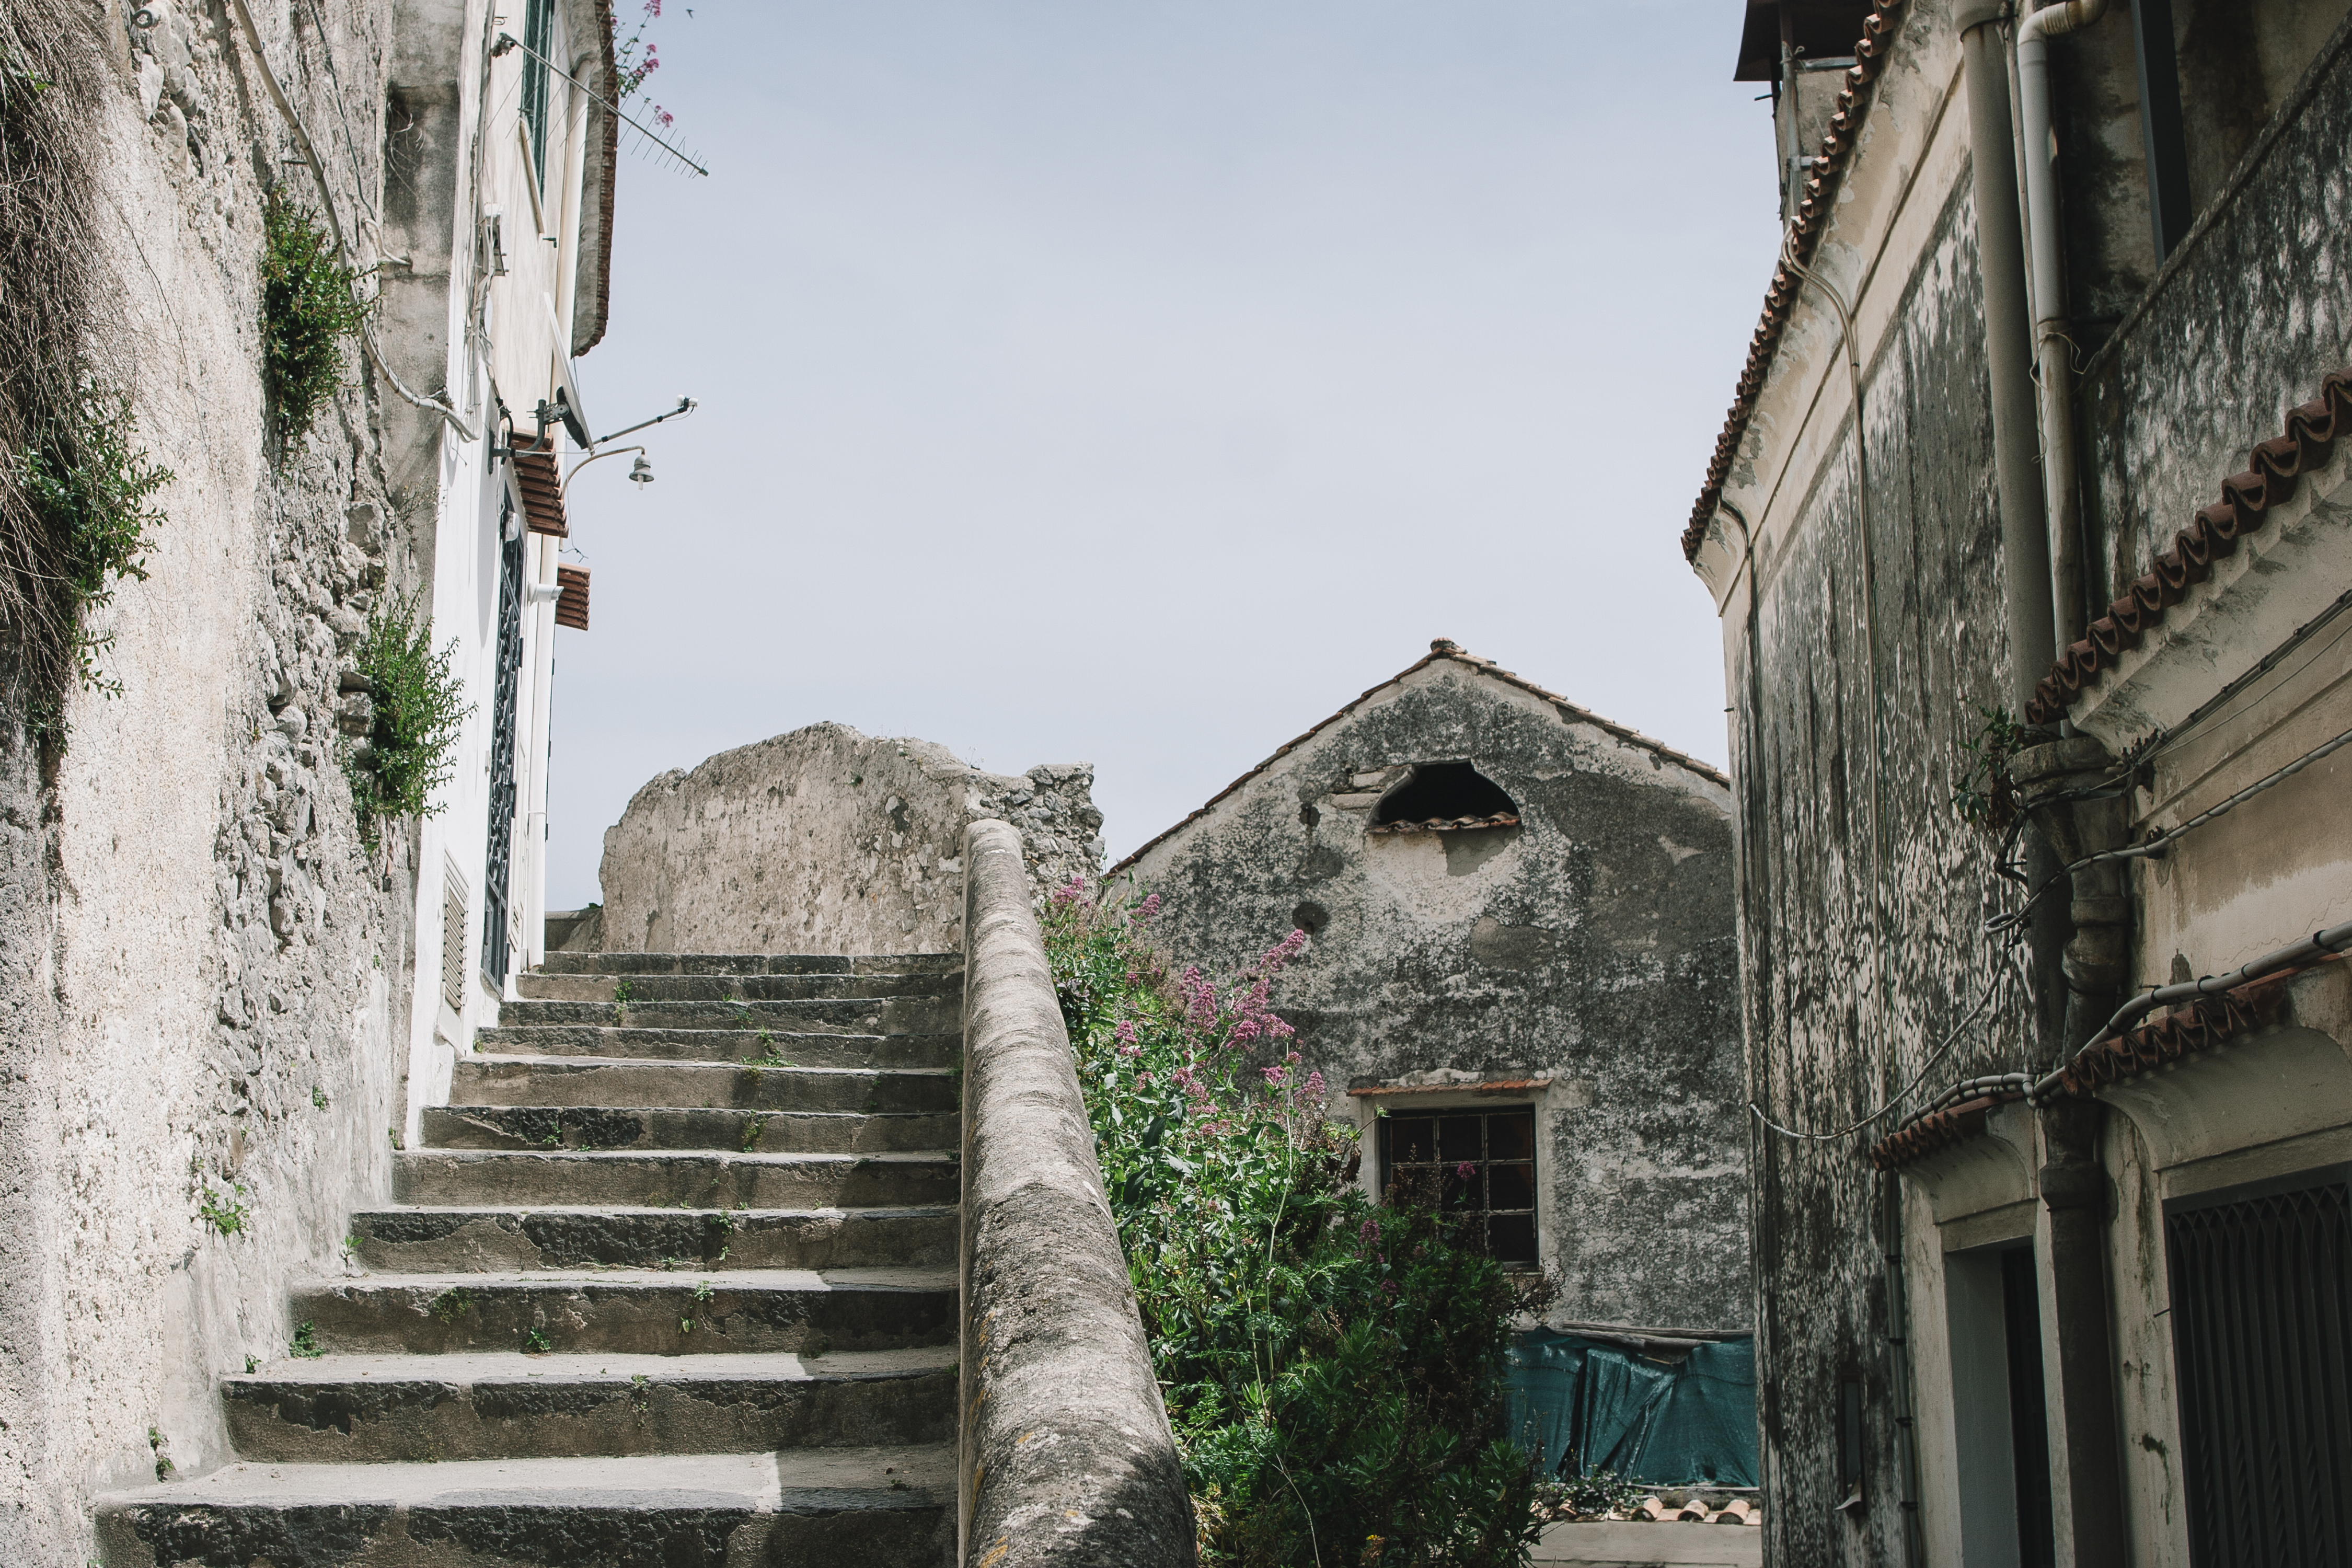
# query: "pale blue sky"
1135,384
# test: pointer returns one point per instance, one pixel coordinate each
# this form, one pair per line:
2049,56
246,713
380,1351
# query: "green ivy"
419,705
308,307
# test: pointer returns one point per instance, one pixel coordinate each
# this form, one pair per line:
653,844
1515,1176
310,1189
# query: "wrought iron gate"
2262,1336
499,859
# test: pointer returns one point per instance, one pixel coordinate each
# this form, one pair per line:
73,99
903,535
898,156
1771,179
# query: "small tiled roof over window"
572,601
542,486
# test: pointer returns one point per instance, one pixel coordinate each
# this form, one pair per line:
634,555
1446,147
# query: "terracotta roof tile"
2201,1027
2312,432
1439,647
1804,234
572,603
543,493
1448,824
1937,1130
606,173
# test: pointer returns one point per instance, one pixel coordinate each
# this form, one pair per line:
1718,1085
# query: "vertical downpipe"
2053,348
2000,265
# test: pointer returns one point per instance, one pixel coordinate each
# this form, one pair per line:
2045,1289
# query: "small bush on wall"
418,706
1333,1368
308,308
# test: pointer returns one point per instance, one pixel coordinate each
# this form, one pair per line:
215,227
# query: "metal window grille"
453,937
2262,1337
1482,1163
498,862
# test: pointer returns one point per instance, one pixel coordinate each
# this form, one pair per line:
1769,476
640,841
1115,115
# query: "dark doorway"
2029,1430
499,859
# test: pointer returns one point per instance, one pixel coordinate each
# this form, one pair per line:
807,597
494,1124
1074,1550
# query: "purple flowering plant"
1332,1366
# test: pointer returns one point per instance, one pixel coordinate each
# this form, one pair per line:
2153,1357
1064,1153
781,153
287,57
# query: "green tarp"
1603,1406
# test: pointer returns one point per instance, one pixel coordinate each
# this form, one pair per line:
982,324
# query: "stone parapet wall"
826,840
1066,1454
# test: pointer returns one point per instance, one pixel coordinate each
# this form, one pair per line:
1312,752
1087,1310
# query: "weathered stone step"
710,1181
512,1240
700,1511
649,988
526,1079
763,1048
745,1131
852,1015
749,963
377,1408
666,1314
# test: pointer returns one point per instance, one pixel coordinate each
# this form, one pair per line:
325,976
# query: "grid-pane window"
1482,1163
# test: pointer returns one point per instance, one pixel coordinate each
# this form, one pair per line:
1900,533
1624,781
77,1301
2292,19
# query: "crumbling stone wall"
825,841
203,962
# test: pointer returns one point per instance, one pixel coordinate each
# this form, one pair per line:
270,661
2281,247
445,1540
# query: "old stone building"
2027,531
228,1002
1521,957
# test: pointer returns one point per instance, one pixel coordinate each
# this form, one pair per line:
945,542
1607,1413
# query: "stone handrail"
1064,1452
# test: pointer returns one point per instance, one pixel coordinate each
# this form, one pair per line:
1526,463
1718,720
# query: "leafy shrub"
89,484
419,704
1986,797
308,308
1333,1369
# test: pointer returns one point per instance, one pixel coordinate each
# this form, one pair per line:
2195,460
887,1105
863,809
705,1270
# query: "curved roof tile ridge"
2279,464
1804,237
1439,649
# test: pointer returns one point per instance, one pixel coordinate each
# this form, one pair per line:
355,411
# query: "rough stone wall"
1839,1018
1592,946
2248,317
202,960
825,841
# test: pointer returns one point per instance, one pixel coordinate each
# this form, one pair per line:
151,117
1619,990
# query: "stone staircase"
671,1282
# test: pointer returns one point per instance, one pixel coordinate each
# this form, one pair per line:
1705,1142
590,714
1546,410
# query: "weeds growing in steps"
1333,1368
306,1341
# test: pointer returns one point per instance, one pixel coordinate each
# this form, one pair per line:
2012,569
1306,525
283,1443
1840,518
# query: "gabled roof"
1439,649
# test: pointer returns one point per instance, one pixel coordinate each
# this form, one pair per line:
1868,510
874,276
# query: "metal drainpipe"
2052,348
2024,532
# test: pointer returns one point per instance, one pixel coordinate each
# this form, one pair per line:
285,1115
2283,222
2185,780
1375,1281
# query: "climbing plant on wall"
1333,1367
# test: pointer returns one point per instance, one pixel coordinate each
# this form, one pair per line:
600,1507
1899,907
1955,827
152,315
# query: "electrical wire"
2157,842
2319,944
1983,999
